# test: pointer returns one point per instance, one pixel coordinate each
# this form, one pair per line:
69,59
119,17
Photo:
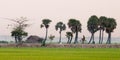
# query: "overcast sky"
57,10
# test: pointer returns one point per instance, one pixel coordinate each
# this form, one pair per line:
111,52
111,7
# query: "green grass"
59,54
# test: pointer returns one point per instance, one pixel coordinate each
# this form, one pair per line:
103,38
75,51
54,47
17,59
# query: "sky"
57,10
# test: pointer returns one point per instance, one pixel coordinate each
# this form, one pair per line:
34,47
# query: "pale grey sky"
57,10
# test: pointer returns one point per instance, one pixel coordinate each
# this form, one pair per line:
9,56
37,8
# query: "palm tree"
92,26
110,26
75,27
45,23
61,26
102,21
69,35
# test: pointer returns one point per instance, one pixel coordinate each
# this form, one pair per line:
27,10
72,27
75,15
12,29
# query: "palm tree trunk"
107,40
110,38
60,38
93,39
43,43
90,39
76,38
46,34
100,36
70,40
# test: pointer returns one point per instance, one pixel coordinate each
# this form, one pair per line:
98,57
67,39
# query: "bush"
3,41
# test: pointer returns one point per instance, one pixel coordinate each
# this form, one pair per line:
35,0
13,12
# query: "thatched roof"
34,39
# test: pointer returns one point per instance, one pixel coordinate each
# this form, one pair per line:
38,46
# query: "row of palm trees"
101,24
94,24
73,24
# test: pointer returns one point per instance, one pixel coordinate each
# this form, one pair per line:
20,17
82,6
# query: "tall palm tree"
92,26
110,26
61,26
69,35
75,27
102,21
45,23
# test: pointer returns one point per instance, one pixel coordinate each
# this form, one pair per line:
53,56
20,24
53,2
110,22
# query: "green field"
59,54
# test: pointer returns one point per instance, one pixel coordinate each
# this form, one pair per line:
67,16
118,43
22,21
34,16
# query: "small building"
34,39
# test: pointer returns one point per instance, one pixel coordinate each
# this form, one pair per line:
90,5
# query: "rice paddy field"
59,53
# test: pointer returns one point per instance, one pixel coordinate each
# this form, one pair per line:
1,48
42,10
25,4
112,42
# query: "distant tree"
69,35
18,34
3,41
45,23
75,27
92,26
61,26
18,30
83,39
110,26
102,21
51,37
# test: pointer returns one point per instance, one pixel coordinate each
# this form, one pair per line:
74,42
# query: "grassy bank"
28,45
59,54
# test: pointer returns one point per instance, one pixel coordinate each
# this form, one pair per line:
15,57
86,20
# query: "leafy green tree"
110,26
69,35
75,27
61,26
18,30
51,37
102,21
15,35
18,34
45,23
92,26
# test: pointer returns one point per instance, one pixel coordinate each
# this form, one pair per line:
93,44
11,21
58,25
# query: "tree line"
94,24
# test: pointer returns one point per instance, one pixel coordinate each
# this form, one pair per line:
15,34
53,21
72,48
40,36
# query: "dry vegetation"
63,45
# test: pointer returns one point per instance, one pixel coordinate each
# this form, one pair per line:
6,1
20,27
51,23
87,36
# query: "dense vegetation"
94,24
